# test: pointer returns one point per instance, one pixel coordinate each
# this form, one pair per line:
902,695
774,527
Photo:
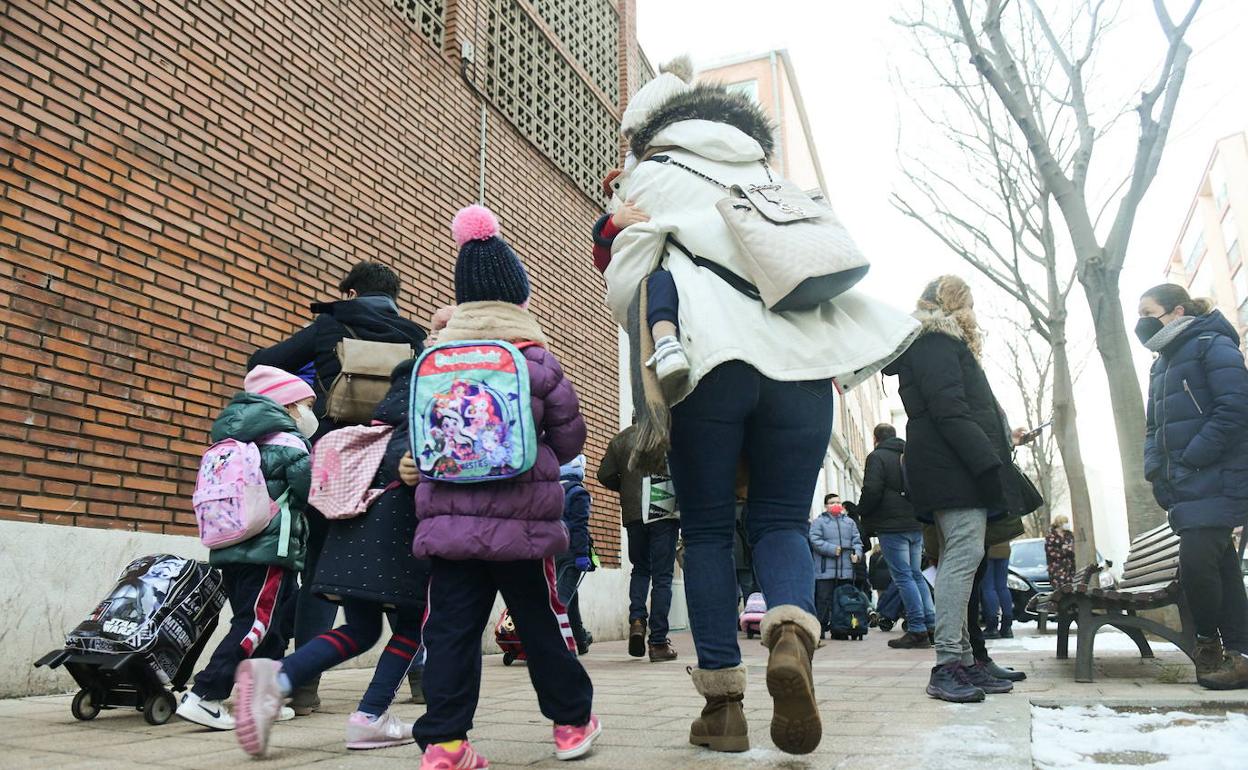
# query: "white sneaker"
209,713
669,359
364,732
286,714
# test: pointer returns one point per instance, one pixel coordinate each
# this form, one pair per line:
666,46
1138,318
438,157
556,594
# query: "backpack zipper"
1192,396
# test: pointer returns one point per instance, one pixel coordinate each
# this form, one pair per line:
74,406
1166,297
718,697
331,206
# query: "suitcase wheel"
509,658
86,705
158,708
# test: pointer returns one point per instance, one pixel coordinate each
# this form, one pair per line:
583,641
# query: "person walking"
995,594
369,311
959,470
1196,456
1059,552
651,550
885,507
573,564
836,546
759,388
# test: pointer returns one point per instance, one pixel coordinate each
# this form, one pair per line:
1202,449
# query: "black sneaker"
1003,672
991,633
583,642
910,641
1007,632
951,683
979,676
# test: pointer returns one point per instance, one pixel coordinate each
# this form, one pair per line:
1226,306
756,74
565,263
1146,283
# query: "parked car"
1029,575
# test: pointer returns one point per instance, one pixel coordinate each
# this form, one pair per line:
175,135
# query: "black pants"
979,649
256,593
461,596
569,580
1210,576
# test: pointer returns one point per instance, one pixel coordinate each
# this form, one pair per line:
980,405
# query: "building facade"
769,79
179,181
1207,257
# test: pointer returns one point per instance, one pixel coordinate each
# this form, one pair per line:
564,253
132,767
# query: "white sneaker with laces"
365,732
669,359
286,714
207,713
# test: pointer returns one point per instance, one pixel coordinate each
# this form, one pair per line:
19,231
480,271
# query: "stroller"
752,617
144,638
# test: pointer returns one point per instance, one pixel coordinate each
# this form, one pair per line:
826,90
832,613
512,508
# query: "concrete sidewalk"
874,708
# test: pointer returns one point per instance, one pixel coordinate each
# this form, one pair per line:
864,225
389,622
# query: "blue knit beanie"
487,268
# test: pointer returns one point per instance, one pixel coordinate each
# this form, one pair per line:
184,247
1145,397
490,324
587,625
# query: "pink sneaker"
364,732
438,758
257,703
574,742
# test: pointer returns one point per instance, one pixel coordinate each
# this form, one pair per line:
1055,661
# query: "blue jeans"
652,550
782,431
904,553
995,592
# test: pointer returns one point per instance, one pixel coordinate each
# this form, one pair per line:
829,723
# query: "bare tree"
1053,118
1003,227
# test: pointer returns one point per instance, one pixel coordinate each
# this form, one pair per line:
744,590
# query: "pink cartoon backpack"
231,499
344,463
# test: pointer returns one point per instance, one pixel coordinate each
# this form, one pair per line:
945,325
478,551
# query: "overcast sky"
845,53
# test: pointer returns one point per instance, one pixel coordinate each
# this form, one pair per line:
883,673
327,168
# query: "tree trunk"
1065,430
1101,288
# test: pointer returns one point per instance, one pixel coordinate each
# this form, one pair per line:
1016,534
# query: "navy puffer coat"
1196,451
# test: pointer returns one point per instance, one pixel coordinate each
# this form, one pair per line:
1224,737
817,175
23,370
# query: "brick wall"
178,180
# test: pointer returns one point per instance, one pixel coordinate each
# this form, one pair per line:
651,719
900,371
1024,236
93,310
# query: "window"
1217,184
747,87
1193,244
1202,284
1230,237
1240,280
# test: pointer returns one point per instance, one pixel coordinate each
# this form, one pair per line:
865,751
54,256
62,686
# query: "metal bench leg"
1140,640
1063,635
1087,636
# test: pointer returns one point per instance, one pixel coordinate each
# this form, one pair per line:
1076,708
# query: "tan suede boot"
722,726
791,634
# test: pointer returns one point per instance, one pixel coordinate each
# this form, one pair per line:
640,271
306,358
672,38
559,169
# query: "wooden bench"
1150,581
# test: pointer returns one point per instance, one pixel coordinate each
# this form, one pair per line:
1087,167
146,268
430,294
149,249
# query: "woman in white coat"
759,390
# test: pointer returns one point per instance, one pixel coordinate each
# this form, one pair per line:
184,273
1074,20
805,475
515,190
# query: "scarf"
492,321
653,419
1169,333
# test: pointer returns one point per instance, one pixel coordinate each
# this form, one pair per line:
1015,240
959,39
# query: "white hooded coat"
849,338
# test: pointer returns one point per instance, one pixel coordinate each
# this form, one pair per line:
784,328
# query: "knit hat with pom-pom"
487,268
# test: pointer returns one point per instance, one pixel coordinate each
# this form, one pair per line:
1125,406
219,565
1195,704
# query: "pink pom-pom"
473,223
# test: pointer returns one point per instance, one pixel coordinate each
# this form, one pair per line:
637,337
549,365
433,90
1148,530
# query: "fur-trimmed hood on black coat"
707,101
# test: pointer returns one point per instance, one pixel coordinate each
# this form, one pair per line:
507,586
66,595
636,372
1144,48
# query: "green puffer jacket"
248,418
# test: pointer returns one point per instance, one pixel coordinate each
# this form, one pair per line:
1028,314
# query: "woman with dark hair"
1196,456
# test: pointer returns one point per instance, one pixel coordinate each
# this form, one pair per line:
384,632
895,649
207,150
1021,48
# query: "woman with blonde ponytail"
959,474
1196,456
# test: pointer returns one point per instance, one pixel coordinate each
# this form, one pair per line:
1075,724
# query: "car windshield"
1027,554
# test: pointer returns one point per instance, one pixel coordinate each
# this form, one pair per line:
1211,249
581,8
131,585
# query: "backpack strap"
289,440
283,531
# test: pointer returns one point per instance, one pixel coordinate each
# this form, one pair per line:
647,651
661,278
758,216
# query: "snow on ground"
1107,640
1101,738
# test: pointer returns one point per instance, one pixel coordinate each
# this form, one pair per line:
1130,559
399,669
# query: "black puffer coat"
882,504
370,557
958,448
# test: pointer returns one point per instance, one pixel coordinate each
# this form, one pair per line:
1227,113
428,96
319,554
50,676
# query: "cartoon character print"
465,426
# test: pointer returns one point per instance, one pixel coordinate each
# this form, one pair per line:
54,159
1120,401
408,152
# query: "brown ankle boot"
1207,657
722,726
791,634
1231,673
305,700
637,637
660,653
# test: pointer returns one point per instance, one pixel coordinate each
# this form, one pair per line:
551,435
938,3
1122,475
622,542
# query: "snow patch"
1101,738
1107,640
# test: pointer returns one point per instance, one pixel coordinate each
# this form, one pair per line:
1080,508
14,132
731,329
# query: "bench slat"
1161,546
1151,564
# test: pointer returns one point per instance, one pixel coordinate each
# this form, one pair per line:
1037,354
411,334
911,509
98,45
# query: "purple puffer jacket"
520,518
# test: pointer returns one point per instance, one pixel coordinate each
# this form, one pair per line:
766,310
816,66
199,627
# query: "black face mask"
1146,327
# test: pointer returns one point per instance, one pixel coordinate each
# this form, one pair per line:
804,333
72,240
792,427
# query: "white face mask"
306,422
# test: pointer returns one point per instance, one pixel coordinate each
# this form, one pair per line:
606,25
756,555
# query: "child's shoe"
257,703
286,714
574,742
208,713
365,731
669,359
459,757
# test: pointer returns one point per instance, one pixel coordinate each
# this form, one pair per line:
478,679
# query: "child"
366,566
500,536
258,580
578,559
662,302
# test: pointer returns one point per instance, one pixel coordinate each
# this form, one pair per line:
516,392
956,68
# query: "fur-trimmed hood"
938,322
492,321
706,101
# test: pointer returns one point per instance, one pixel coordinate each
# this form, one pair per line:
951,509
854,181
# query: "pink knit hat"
271,382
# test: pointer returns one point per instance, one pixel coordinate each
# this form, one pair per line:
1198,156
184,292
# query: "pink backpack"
231,500
344,463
